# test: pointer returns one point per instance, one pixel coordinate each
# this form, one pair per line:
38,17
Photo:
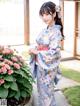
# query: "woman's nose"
44,17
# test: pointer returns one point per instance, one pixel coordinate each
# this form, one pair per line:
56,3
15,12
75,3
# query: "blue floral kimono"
46,72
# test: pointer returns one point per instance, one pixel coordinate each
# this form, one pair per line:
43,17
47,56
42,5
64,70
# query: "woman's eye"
46,14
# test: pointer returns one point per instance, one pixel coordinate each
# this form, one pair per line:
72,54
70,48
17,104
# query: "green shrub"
15,77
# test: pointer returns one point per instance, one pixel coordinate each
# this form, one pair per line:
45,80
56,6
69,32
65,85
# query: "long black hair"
50,8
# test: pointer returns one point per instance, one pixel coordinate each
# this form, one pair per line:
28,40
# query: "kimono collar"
54,26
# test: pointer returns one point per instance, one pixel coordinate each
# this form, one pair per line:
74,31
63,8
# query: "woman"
45,57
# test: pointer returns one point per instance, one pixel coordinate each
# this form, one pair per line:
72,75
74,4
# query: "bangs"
45,10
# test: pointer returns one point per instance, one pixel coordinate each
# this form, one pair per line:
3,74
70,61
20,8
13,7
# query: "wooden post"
26,21
75,26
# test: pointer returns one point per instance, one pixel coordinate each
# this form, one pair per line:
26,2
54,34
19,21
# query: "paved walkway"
60,99
65,83
72,64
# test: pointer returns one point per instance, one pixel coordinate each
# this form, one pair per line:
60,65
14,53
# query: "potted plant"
15,78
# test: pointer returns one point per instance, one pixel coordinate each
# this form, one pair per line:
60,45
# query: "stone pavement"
72,64
65,83
60,99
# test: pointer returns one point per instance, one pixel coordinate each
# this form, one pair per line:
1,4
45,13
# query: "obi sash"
42,47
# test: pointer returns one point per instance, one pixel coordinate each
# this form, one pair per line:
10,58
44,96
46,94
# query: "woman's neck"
51,24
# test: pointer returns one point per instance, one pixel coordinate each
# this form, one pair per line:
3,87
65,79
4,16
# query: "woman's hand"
33,51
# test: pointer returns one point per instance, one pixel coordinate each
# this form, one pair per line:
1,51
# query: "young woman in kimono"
45,57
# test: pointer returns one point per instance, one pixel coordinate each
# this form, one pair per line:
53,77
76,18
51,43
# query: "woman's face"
48,19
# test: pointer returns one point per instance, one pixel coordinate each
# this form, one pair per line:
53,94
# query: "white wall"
69,25
11,22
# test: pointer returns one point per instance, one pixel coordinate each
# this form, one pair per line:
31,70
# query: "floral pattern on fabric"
46,72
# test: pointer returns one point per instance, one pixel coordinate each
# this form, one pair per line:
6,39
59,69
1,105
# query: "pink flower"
2,81
10,72
1,58
20,59
18,56
17,66
14,59
7,66
20,64
8,62
0,70
7,51
3,69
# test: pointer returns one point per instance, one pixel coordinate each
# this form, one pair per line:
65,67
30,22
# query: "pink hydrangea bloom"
7,51
1,58
17,66
7,66
20,59
10,72
8,62
14,59
3,70
2,81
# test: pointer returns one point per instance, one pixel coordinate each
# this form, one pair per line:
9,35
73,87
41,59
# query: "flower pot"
14,102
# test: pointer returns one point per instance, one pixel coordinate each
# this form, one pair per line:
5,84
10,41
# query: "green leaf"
1,76
25,82
7,84
26,69
22,73
3,92
11,93
9,78
28,85
14,86
27,89
24,94
17,95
